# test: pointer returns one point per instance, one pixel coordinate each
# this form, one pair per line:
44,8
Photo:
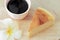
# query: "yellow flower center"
9,31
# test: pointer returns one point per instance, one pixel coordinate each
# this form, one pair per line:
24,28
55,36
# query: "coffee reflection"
17,6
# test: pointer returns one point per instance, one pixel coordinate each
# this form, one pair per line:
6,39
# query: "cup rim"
29,3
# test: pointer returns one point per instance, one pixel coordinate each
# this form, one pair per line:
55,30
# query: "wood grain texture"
52,33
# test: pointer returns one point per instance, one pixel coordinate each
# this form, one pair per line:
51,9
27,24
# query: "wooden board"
52,33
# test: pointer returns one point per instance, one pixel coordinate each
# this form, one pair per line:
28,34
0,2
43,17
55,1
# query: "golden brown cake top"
40,17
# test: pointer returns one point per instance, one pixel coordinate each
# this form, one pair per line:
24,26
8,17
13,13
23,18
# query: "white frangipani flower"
9,30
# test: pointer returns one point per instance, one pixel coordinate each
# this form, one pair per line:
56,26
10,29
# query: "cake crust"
41,20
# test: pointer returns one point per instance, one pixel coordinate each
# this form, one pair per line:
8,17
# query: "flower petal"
2,25
9,22
11,37
17,34
3,36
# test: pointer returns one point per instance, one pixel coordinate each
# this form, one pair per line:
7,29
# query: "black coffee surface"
17,6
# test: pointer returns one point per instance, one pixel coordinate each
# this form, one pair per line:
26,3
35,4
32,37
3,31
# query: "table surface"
53,6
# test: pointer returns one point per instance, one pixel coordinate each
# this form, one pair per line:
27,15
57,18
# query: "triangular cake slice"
41,20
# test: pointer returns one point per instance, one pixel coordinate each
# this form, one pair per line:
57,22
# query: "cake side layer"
40,28
41,20
40,17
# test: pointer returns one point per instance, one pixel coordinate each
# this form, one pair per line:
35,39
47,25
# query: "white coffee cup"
17,16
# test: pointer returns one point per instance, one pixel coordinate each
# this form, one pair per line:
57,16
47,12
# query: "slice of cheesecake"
42,19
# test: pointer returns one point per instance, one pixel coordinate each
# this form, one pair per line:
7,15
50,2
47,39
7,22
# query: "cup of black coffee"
17,9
